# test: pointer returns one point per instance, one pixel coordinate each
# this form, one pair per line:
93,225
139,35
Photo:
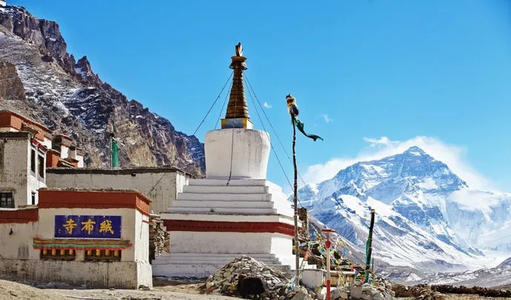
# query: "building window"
41,166
6,200
32,160
33,198
58,254
102,255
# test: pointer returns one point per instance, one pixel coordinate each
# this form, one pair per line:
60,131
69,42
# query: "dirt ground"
167,290
463,297
170,291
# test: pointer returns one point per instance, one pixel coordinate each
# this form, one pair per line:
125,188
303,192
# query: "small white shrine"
233,211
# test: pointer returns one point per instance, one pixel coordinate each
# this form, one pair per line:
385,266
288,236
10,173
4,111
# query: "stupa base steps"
215,220
235,196
201,265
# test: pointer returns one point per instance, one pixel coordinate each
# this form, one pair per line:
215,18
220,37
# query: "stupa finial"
237,110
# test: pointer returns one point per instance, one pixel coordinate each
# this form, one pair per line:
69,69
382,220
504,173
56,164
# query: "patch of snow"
428,183
381,208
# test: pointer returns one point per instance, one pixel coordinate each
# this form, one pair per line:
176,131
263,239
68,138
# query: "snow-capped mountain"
497,276
427,218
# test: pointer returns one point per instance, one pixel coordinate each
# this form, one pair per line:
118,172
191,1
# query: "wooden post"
369,247
327,245
295,203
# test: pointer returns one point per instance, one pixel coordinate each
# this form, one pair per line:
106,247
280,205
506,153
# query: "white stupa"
233,211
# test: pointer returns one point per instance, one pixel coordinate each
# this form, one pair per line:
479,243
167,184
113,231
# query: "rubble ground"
10,290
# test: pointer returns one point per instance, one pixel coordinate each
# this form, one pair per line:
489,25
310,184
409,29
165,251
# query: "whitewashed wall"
160,187
14,167
19,257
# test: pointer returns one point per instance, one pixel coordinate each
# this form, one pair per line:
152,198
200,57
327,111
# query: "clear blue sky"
377,68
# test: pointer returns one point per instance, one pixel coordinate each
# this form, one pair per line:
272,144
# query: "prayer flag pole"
295,203
369,247
293,112
327,246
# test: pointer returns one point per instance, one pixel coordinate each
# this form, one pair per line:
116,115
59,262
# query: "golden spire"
237,110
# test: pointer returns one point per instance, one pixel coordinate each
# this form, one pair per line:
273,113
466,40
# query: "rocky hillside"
11,86
49,85
498,276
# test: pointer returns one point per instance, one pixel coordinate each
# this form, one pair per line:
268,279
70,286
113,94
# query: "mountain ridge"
67,96
415,200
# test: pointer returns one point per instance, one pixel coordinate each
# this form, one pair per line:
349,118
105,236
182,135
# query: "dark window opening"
33,198
41,166
2,155
32,160
58,254
6,200
103,255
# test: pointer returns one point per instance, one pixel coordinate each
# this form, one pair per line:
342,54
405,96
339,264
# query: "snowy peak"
414,150
388,178
427,217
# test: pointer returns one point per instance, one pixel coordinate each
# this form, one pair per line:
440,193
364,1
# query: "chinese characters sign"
88,226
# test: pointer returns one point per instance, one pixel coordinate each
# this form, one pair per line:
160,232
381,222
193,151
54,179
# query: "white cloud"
327,118
382,141
378,148
267,105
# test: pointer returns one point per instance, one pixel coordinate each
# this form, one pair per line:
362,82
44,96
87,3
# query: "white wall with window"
22,169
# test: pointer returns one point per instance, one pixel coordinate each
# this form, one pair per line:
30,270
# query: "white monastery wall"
160,187
19,259
47,143
96,274
64,151
34,180
14,167
14,245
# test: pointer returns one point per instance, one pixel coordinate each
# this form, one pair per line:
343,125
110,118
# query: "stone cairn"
159,240
248,278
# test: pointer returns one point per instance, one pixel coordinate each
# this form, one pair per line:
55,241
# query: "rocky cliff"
11,86
50,86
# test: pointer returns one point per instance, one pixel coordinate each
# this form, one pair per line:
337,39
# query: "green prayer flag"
114,154
301,126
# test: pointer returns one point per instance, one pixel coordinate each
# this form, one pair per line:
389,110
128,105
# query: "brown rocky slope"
69,98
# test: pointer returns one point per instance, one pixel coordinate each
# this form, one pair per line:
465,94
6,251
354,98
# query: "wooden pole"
328,277
369,247
328,244
295,203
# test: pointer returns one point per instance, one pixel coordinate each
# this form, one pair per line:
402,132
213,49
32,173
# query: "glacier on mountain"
428,219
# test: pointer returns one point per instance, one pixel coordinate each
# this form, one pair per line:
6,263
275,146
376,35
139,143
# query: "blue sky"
360,70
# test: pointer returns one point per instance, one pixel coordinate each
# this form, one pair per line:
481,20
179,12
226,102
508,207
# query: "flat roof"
127,171
15,134
26,119
93,198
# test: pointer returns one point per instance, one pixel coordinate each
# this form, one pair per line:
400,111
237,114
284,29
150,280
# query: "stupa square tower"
234,210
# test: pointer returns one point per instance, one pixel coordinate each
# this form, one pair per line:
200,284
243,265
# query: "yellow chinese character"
106,226
69,226
88,226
